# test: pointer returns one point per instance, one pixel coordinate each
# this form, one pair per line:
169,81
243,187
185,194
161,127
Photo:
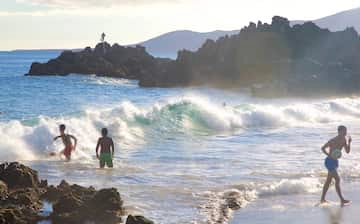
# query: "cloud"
98,3
105,12
103,8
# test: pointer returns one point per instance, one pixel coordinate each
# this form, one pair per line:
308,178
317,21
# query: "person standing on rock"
66,139
106,146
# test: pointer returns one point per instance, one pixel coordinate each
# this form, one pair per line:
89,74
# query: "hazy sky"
34,24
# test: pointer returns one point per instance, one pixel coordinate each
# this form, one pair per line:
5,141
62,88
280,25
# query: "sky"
66,24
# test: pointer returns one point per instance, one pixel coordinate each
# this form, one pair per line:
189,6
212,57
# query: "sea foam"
132,126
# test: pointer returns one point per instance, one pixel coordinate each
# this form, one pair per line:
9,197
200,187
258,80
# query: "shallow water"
181,154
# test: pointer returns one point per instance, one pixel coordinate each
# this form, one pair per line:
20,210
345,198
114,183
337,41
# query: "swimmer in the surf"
335,146
66,139
106,146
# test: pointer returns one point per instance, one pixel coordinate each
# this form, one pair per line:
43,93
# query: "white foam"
131,125
219,206
111,81
21,142
290,187
12,145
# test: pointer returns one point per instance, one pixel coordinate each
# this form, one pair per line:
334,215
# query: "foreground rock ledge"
22,195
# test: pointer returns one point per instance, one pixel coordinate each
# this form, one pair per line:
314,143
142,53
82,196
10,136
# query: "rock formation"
22,195
104,60
270,59
299,60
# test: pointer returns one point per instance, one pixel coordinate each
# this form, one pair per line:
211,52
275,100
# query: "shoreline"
302,209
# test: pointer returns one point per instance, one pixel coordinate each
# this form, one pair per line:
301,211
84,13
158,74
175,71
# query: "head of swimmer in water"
342,131
62,128
104,132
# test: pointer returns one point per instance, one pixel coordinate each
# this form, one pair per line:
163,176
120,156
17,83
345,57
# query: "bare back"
106,144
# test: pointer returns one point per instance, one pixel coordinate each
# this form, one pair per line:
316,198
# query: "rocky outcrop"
138,220
103,60
22,195
16,175
275,58
76,204
301,60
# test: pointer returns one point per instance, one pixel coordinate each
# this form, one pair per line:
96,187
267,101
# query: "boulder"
19,193
11,216
17,175
77,204
3,190
106,200
53,193
138,220
28,197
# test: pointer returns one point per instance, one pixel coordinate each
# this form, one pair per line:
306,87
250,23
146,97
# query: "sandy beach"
302,209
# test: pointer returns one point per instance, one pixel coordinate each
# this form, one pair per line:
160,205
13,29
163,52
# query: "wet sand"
303,209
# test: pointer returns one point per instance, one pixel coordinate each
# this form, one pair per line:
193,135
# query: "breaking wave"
131,125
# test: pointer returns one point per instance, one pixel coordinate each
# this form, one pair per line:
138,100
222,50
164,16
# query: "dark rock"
77,204
106,200
51,194
16,175
104,60
21,197
18,214
20,194
304,60
43,184
3,190
28,197
11,216
138,220
67,204
54,193
21,206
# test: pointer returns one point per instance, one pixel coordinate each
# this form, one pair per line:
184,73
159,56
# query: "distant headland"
270,59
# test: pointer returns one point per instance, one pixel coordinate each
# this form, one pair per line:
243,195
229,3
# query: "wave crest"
133,126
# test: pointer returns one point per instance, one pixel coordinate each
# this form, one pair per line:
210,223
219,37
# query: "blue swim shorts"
331,164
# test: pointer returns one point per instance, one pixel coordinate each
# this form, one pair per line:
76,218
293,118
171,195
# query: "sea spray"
132,126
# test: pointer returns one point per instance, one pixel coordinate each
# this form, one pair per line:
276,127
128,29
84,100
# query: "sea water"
182,155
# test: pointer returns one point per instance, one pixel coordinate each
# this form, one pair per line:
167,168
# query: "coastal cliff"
271,59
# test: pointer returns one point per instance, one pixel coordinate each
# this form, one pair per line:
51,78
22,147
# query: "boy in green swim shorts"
106,145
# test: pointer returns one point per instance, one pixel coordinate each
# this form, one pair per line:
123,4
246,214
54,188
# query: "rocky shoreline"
270,59
104,60
23,196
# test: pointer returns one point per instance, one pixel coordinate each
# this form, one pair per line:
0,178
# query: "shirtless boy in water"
66,139
337,143
107,149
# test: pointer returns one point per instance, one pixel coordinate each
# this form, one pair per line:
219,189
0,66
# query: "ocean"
182,155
